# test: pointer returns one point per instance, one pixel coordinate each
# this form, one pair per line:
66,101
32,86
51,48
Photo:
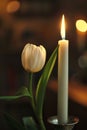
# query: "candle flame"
63,27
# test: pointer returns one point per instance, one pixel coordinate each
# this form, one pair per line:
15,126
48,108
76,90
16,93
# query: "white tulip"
33,57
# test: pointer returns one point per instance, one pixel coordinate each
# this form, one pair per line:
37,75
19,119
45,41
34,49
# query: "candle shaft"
63,81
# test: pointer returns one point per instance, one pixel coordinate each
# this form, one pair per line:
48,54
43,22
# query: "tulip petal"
33,57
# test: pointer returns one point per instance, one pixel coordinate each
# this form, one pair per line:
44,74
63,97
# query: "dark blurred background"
38,22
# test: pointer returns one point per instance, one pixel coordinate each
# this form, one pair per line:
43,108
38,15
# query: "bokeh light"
81,25
13,6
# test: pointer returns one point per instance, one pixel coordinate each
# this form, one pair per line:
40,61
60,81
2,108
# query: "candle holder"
53,121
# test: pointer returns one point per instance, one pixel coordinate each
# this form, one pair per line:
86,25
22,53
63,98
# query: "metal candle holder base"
68,126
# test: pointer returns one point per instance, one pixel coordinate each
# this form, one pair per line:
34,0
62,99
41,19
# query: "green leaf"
9,98
29,123
13,123
23,92
41,87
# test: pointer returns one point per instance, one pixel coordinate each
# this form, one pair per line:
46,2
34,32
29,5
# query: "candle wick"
63,38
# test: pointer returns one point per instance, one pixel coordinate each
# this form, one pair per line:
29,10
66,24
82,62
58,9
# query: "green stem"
39,119
31,90
42,126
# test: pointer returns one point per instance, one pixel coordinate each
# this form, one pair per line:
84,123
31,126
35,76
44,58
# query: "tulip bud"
33,57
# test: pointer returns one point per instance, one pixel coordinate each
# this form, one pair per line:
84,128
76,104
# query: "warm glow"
81,25
13,6
63,28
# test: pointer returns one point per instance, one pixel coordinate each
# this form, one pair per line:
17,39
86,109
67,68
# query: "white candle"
63,77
